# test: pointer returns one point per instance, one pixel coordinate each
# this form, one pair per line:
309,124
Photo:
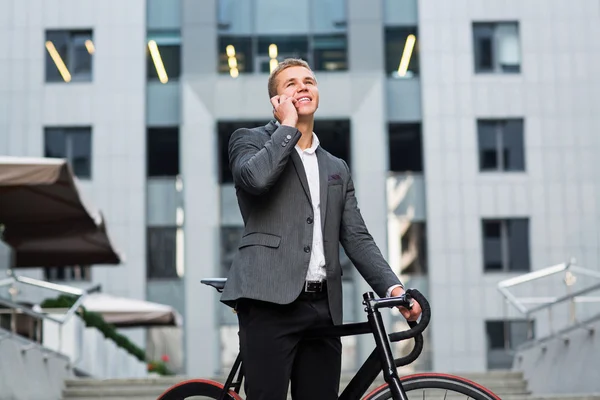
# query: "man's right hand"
284,110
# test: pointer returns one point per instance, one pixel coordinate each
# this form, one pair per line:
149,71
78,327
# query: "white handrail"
18,308
547,302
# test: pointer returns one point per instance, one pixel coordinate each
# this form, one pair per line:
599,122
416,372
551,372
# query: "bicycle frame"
380,358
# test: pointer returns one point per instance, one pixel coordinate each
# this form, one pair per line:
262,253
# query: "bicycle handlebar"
416,329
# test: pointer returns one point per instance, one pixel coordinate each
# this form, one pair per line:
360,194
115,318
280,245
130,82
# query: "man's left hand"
412,314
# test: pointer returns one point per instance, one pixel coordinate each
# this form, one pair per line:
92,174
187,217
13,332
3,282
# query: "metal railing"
572,298
17,309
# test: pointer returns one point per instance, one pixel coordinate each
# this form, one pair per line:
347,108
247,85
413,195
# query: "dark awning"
44,218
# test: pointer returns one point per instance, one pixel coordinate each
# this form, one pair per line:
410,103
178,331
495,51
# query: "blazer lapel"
323,183
301,173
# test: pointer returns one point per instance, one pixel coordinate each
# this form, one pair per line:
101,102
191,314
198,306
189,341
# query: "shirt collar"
313,147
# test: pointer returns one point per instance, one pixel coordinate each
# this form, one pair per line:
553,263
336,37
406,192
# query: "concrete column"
368,132
200,187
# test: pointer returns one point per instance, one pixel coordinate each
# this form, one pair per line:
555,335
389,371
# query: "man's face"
299,83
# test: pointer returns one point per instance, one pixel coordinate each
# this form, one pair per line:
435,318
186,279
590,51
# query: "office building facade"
470,128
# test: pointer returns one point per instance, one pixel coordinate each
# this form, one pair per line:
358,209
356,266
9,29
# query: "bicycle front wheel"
435,387
197,389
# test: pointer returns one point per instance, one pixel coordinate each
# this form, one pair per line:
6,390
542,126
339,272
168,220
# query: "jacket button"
309,220
307,249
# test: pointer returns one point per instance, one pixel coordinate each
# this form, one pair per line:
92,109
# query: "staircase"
507,385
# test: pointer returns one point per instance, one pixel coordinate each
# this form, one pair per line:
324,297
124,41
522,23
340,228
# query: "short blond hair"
287,63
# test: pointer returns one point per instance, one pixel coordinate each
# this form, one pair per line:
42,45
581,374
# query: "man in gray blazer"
298,204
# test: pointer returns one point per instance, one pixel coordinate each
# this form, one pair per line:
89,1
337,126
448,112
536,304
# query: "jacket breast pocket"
260,239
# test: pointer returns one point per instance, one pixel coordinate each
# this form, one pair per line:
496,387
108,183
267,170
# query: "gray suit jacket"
274,199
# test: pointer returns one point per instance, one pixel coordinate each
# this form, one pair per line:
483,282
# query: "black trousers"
275,352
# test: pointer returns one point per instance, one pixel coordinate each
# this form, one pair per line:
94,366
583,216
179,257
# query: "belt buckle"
313,287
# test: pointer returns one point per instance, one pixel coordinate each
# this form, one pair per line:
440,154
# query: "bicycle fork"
388,365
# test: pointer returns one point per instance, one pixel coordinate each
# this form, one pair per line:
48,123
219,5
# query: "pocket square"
334,177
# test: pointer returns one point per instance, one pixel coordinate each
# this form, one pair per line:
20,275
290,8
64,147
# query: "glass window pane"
80,152
55,144
518,244
495,334
81,55
400,12
276,17
161,251
484,47
488,145
512,139
334,136
235,17
163,152
519,331
401,52
508,48
414,249
330,53
235,54
57,40
492,246
224,131
168,55
284,47
405,147
328,16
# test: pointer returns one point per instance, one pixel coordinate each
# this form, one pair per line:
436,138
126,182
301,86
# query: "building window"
69,56
235,55
497,47
503,338
163,152
230,241
506,245
334,136
414,249
401,52
163,55
501,145
405,147
261,54
224,130
252,41
72,144
77,273
164,252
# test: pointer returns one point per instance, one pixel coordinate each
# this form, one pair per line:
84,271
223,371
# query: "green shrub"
95,320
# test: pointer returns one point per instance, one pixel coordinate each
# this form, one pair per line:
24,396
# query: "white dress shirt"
316,265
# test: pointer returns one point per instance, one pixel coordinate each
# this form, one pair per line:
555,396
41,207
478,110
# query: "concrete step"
507,385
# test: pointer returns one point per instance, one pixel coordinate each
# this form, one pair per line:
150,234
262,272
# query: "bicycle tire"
197,387
416,382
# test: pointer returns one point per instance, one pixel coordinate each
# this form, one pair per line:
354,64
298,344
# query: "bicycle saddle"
217,283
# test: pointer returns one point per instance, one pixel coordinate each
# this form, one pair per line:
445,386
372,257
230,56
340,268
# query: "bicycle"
381,359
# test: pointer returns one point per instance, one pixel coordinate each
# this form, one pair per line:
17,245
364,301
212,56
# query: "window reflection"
163,56
235,55
279,48
401,52
253,41
238,55
501,145
330,53
69,56
497,47
73,144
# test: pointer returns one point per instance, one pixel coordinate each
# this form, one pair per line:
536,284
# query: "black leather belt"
314,286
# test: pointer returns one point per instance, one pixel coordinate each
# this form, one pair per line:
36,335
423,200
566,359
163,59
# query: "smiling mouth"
304,100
